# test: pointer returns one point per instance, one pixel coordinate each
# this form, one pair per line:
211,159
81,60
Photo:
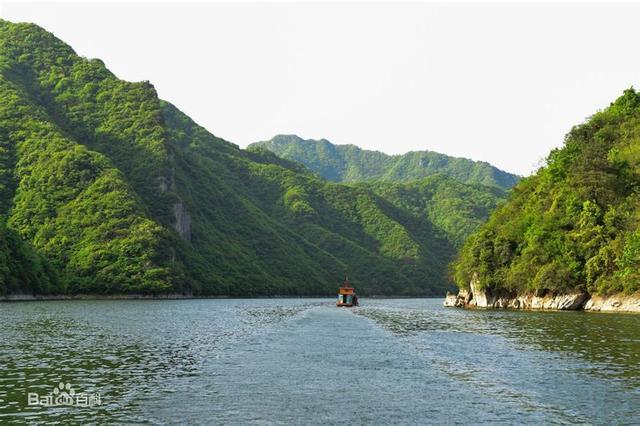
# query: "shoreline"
48,297
477,298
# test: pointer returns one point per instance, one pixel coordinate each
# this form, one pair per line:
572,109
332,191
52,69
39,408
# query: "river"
304,361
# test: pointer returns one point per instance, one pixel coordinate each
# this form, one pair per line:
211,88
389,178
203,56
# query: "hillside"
574,225
455,208
348,163
105,189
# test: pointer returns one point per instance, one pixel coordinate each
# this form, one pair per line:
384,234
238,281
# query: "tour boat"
347,295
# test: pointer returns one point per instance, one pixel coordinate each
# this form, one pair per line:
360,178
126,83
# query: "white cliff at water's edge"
477,297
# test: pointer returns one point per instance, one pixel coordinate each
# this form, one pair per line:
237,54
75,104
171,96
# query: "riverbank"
44,297
31,297
480,298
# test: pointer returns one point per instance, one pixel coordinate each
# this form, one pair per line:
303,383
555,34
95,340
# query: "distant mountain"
348,163
106,189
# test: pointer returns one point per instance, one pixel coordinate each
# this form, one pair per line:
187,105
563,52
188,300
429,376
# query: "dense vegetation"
104,188
21,268
348,163
457,209
574,225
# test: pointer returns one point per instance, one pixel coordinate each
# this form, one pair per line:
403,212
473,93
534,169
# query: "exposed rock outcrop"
183,221
477,297
481,298
615,303
453,301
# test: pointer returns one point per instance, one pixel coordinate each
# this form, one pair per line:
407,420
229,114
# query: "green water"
305,361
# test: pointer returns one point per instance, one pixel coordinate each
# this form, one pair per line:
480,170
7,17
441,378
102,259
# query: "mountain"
573,227
456,209
106,189
348,163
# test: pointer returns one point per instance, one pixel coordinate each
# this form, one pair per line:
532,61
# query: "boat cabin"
347,295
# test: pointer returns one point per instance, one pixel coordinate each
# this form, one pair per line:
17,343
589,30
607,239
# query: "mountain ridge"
350,163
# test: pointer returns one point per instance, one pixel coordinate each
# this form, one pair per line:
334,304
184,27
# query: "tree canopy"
574,225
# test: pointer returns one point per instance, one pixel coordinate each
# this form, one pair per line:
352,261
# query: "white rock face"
477,298
614,303
484,298
458,301
183,221
567,301
451,300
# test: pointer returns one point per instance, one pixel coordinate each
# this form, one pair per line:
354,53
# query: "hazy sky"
496,82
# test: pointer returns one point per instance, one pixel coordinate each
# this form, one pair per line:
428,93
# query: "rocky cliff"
478,297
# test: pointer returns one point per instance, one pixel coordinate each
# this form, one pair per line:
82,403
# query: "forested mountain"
574,225
455,208
348,163
106,189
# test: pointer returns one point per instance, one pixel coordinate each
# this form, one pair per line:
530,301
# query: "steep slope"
106,189
455,208
348,163
290,228
22,270
573,227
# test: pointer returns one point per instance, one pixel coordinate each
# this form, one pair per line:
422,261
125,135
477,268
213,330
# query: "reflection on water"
295,360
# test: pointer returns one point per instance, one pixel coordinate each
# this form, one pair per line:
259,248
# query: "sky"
497,82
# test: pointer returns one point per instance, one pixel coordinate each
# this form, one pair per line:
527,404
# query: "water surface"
306,361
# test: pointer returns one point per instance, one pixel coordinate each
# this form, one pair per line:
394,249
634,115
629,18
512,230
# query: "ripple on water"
558,367
544,360
124,350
